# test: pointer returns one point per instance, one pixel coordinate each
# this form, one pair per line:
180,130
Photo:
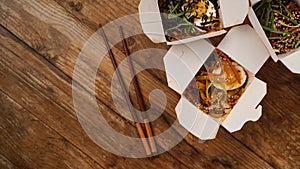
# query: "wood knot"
130,41
76,6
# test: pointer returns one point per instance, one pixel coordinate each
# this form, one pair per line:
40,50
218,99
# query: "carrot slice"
238,78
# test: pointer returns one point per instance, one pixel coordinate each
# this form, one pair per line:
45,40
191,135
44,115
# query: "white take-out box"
182,62
232,12
291,59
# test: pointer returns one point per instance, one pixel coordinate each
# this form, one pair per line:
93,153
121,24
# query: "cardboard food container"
291,59
182,62
151,21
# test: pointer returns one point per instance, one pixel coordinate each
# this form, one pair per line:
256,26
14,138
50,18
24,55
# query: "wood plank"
25,74
29,143
46,77
65,57
91,16
288,146
276,136
64,65
5,163
32,101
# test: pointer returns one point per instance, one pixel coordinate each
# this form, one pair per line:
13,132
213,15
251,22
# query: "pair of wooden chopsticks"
139,127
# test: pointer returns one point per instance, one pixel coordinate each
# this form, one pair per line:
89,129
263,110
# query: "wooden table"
40,42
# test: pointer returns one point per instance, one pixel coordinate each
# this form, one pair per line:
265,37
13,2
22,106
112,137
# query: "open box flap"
261,33
252,2
182,62
195,38
292,61
150,20
233,12
244,46
246,109
195,121
152,26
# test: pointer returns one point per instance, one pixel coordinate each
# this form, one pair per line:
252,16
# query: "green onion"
259,5
207,90
276,31
172,16
272,21
285,8
275,38
178,26
288,18
262,15
267,15
298,43
176,6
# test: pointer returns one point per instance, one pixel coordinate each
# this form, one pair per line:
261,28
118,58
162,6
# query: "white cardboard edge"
182,62
195,38
244,46
151,21
189,57
152,26
252,2
261,33
291,60
245,110
196,122
232,17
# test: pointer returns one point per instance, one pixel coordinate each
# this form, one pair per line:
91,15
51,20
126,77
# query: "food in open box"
280,20
187,18
218,85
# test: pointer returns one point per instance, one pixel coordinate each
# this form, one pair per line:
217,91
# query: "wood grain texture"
28,143
5,163
276,136
29,80
45,104
104,83
57,30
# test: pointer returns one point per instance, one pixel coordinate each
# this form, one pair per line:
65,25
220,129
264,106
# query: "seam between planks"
79,20
53,101
251,150
42,122
67,77
156,77
10,162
